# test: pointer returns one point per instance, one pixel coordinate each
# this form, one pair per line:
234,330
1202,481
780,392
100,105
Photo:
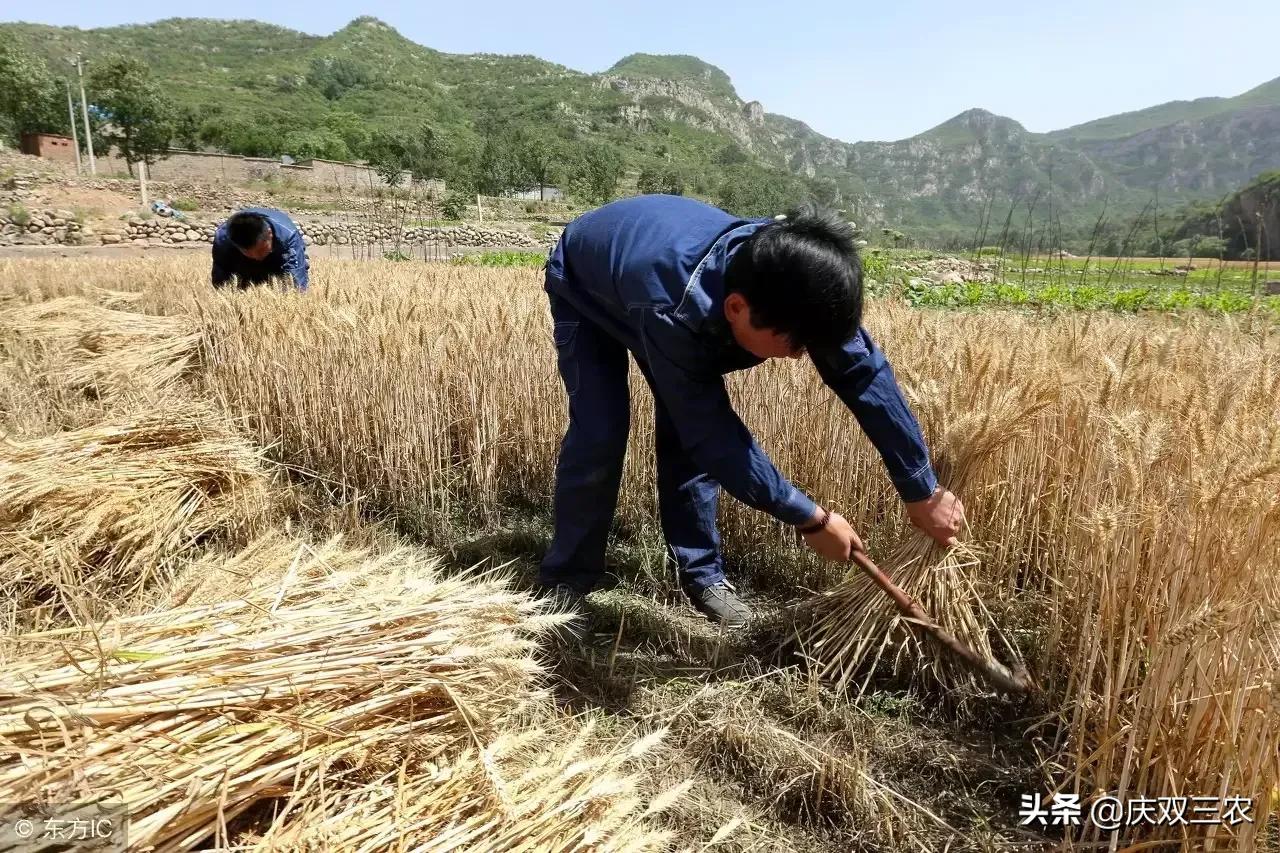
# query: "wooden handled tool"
1016,681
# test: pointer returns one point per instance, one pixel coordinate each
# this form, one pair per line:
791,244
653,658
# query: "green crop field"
1118,284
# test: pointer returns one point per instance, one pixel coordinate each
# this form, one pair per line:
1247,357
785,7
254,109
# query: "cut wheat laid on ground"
1121,473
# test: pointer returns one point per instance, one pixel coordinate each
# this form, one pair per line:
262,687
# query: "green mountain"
1243,225
1128,124
678,68
252,88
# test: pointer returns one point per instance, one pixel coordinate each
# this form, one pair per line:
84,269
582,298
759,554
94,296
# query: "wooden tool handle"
1015,681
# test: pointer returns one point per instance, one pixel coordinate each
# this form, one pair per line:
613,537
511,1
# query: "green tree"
29,97
258,134
138,117
496,167
389,154
461,165
335,76
539,158
186,128
597,172
749,191
665,179
429,153
1209,247
825,191
455,205
351,128
731,155
322,143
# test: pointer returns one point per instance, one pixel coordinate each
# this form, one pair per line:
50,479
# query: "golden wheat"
1119,523
333,659
92,516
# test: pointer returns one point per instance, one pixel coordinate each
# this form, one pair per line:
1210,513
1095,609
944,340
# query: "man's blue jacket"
288,254
650,271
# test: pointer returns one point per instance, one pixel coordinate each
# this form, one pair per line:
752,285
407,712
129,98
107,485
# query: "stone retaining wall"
39,227
52,227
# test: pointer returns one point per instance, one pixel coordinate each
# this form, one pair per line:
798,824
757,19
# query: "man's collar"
701,307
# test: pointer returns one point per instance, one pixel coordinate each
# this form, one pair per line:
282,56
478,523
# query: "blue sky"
851,70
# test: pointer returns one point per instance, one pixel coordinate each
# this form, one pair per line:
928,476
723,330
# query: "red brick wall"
49,146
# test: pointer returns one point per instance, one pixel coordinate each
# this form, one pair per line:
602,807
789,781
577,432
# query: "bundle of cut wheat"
194,715
527,791
848,629
44,281
91,515
89,346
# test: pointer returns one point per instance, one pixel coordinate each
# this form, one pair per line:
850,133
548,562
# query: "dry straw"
350,669
849,629
1143,498
89,517
87,346
529,790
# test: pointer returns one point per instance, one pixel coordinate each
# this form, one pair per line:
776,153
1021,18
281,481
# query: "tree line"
489,154
128,112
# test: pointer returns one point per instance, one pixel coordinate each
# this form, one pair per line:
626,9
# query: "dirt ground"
333,252
117,251
95,201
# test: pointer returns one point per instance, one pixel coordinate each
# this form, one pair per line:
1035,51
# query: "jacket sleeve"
861,376
222,271
295,261
710,431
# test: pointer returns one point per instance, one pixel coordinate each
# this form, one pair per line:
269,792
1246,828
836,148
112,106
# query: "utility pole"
84,113
75,138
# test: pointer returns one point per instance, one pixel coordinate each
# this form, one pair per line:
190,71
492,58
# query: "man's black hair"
247,229
802,277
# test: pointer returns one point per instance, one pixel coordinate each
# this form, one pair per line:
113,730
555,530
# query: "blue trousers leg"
593,367
688,499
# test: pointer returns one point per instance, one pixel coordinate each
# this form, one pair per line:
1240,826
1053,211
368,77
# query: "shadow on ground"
778,761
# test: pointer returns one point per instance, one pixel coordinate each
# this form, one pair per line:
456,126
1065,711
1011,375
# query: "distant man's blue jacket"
650,270
288,254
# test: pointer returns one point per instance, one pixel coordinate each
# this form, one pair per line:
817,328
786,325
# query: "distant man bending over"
692,293
256,245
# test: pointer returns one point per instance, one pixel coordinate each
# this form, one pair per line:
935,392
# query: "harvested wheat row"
349,661
1142,500
528,790
88,346
91,516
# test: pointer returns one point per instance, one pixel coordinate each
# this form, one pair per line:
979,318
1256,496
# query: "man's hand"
836,541
941,515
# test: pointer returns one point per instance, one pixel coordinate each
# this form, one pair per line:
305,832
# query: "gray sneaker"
720,603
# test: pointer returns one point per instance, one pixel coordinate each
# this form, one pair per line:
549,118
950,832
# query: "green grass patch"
876,264
1084,298
502,259
1082,284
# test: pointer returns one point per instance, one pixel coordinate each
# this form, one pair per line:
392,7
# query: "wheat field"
1121,476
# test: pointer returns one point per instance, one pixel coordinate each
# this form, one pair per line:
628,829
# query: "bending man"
257,245
692,293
